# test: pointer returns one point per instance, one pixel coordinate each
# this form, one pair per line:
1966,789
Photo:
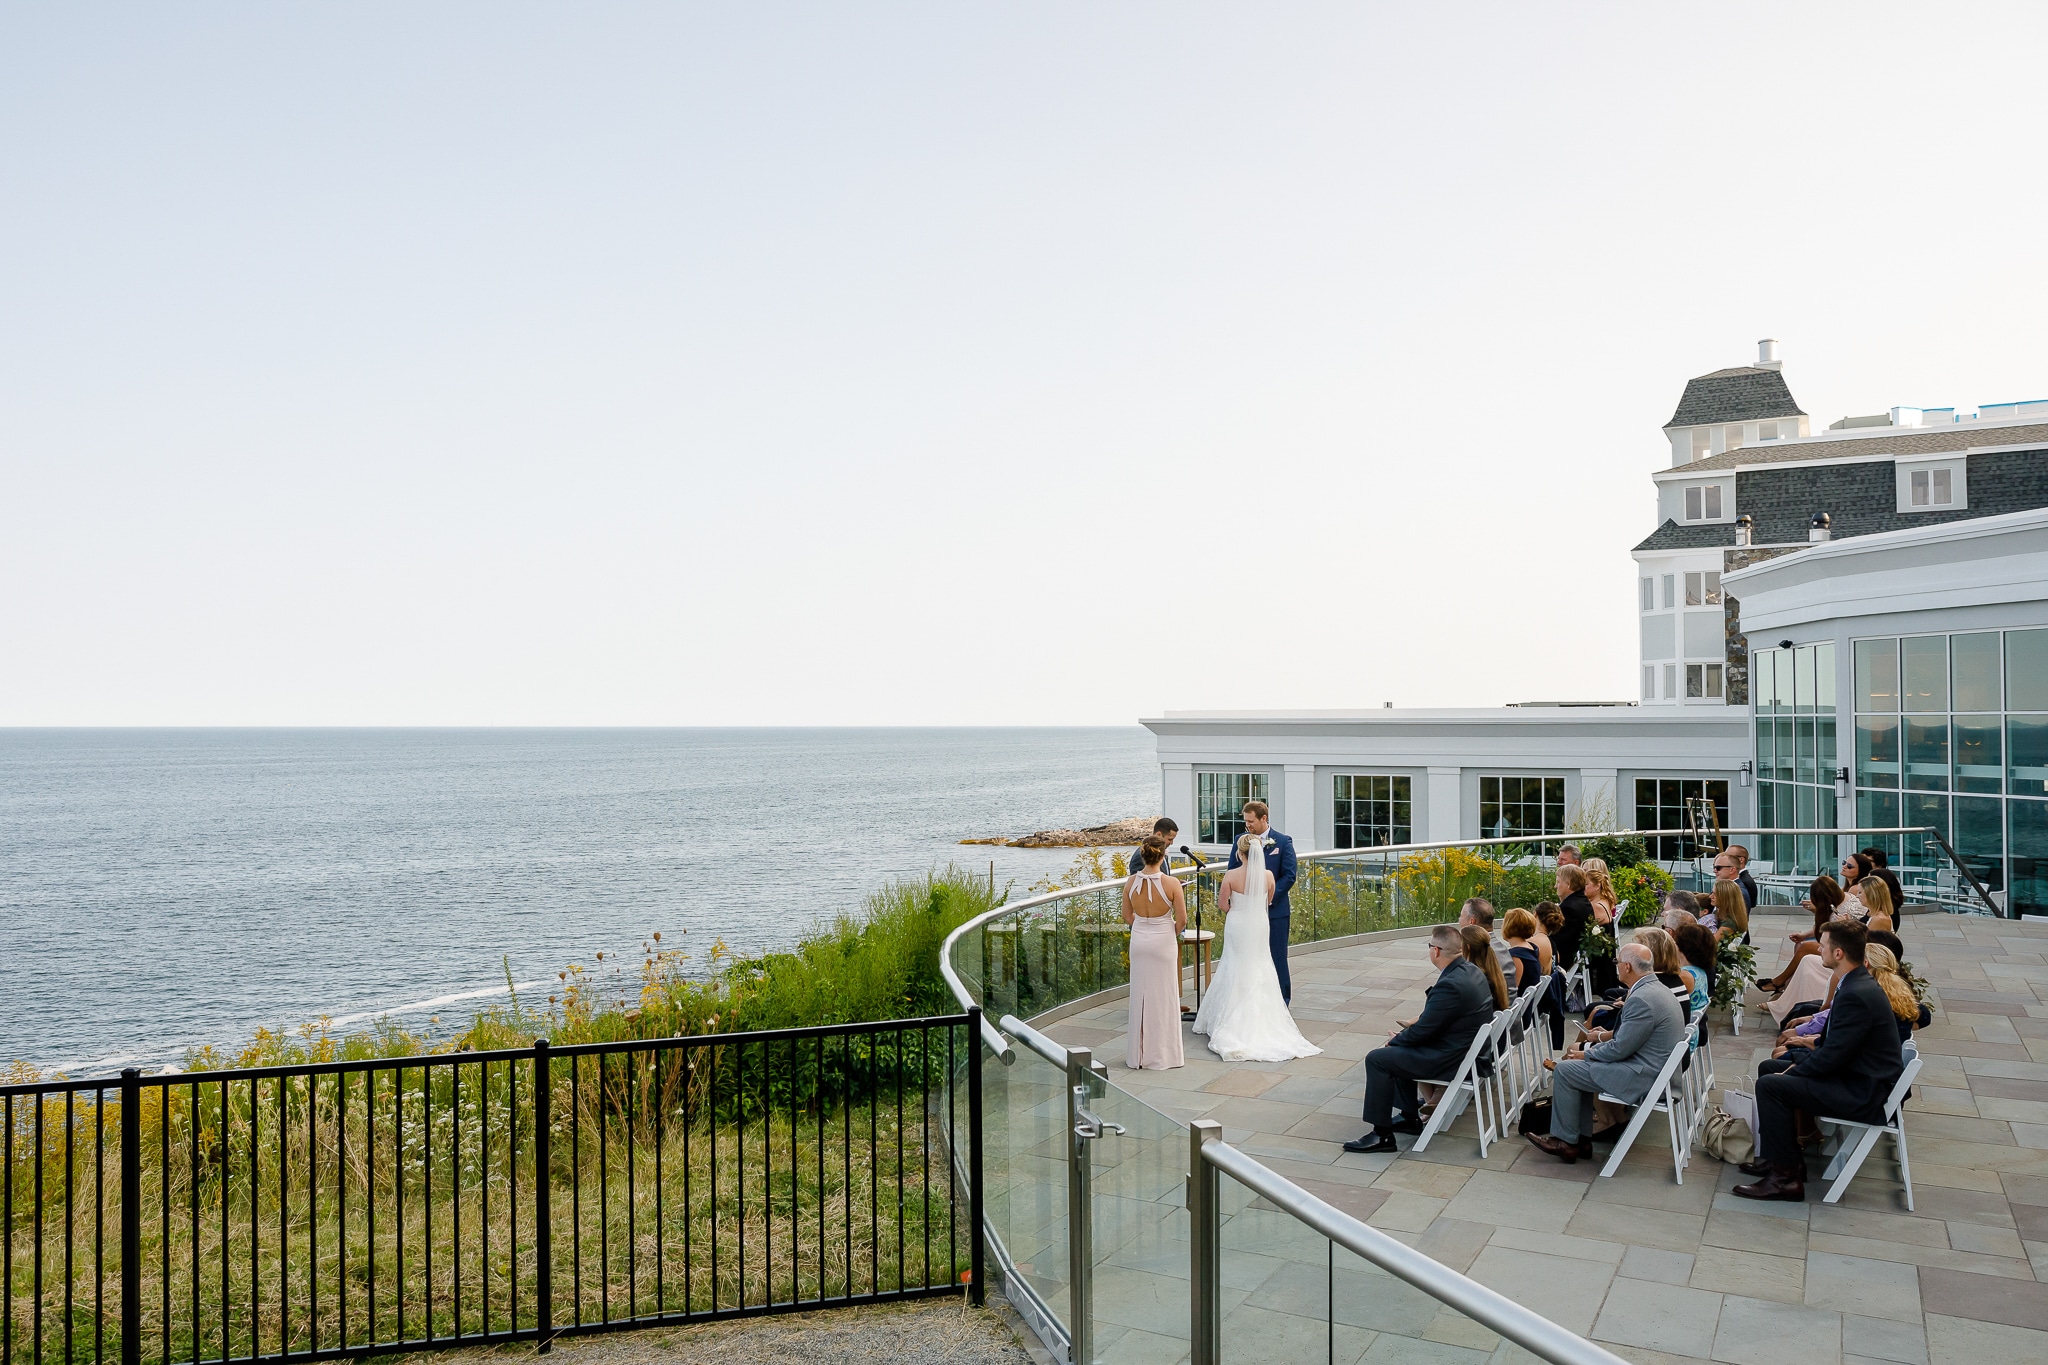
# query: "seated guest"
1701,962
1459,1004
1809,987
1478,911
1600,890
1479,946
1881,960
1731,916
1849,1075
1668,963
1881,868
1824,899
1624,1064
1549,920
1877,900
1520,932
1742,877
1578,913
1676,908
1855,868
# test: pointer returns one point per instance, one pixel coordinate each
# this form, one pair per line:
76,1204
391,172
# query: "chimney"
1745,529
1767,355
1820,530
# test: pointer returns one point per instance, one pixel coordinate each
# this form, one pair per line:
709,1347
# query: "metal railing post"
977,1207
1080,1214
543,1212
1205,1247
131,1216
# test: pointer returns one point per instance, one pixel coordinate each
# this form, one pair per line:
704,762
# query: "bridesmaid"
1156,910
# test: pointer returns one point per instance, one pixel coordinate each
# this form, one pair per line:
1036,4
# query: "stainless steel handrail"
1526,1328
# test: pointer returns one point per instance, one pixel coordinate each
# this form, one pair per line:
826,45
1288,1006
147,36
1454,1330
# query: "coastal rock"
1118,833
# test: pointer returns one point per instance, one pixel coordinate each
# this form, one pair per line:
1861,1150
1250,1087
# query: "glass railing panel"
1140,1233
1024,1164
1290,1295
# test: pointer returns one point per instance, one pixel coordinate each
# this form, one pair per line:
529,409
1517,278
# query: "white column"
1298,806
1596,785
1177,797
1446,803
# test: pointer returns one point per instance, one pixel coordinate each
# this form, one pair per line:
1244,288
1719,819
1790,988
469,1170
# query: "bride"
1242,1013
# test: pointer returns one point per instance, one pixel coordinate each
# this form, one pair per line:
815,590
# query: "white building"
1933,505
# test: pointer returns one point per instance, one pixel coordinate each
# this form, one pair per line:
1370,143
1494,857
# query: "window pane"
1877,809
1927,753
1980,762
1785,757
1919,488
1694,681
1767,804
1714,681
1925,661
1974,660
1765,732
2026,670
1803,737
1877,675
1692,504
1802,679
1824,694
1980,839
1943,484
1713,583
1670,591
1802,802
1877,751
2027,746
1649,594
1692,589
1824,732
2027,824
1714,499
1763,664
1925,810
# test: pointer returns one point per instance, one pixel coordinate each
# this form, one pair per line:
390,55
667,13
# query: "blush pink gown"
1154,1040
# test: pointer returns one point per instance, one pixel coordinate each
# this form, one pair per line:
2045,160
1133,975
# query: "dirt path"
938,1333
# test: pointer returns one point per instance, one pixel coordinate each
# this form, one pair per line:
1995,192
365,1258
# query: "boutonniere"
1271,842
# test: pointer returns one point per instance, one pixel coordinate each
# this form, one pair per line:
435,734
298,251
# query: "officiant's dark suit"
1279,850
1431,1048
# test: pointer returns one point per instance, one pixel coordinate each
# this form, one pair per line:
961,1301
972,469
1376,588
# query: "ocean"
166,889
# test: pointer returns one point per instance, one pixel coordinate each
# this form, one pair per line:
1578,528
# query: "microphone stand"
1200,946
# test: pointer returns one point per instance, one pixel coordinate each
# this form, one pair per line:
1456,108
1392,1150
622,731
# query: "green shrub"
1618,851
1640,886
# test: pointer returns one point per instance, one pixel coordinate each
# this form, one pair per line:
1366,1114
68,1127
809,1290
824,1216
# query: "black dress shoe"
1757,1168
1611,1133
1372,1142
1412,1127
1774,1186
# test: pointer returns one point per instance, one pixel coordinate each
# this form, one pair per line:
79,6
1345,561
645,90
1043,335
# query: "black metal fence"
363,1207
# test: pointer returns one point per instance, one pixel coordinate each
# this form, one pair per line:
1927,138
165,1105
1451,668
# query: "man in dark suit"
1165,828
1279,850
1849,1074
1430,1049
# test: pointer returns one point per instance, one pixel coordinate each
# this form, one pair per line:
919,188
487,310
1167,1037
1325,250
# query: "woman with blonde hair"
1600,889
1877,900
1883,967
1731,911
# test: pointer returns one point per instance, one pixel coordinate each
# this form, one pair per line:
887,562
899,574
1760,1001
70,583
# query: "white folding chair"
1666,1095
1849,1156
1500,1076
1463,1086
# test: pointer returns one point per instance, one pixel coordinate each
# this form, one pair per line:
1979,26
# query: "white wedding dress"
1242,1012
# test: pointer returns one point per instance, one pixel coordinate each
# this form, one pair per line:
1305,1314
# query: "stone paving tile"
1858,1284
1984,1299
1883,1339
1764,1332
1959,1341
1753,1274
1663,1317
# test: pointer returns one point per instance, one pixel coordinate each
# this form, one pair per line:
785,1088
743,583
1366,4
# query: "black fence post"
131,1216
543,1219
977,1288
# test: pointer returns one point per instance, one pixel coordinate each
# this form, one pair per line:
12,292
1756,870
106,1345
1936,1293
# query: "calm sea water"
164,889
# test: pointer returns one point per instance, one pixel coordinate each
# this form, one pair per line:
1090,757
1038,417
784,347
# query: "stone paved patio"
1656,1270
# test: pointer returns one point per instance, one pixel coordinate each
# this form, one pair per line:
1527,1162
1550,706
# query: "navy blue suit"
1280,913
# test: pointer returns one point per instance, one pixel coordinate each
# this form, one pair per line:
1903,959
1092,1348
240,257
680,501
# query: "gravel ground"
944,1332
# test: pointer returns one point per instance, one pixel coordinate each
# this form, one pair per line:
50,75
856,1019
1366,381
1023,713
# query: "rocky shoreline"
1116,834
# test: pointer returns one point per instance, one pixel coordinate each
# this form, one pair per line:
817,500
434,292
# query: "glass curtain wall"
1793,698
1952,731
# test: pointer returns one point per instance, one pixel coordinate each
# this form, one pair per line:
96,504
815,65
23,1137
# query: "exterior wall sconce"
1748,771
1842,784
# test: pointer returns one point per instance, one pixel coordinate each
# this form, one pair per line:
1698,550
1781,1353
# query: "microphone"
1193,856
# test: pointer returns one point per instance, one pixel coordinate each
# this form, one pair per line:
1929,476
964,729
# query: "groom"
1279,850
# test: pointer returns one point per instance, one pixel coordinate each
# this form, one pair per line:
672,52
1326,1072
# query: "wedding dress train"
1242,1012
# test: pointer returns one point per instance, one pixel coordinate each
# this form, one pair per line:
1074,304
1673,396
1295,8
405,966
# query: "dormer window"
1934,485
1767,431
1703,502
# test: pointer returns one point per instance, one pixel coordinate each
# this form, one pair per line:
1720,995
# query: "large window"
1792,693
1660,804
1371,810
1512,807
1952,731
1219,804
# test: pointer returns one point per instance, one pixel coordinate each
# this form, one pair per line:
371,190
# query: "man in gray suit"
1624,1064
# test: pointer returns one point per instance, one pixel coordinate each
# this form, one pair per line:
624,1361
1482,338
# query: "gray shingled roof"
1672,536
1873,441
1743,394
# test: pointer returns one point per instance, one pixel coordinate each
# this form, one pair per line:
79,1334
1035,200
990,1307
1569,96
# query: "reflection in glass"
1803,730
2027,822
1877,675
1825,735
1824,694
1980,839
1927,753
1878,810
1765,731
1802,679
1767,805
1763,666
1803,808
1925,662
1926,810
1980,763
1973,659
2026,670
2027,747
1784,748
1877,751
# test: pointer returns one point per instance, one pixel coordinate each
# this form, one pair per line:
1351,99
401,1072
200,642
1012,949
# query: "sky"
611,364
